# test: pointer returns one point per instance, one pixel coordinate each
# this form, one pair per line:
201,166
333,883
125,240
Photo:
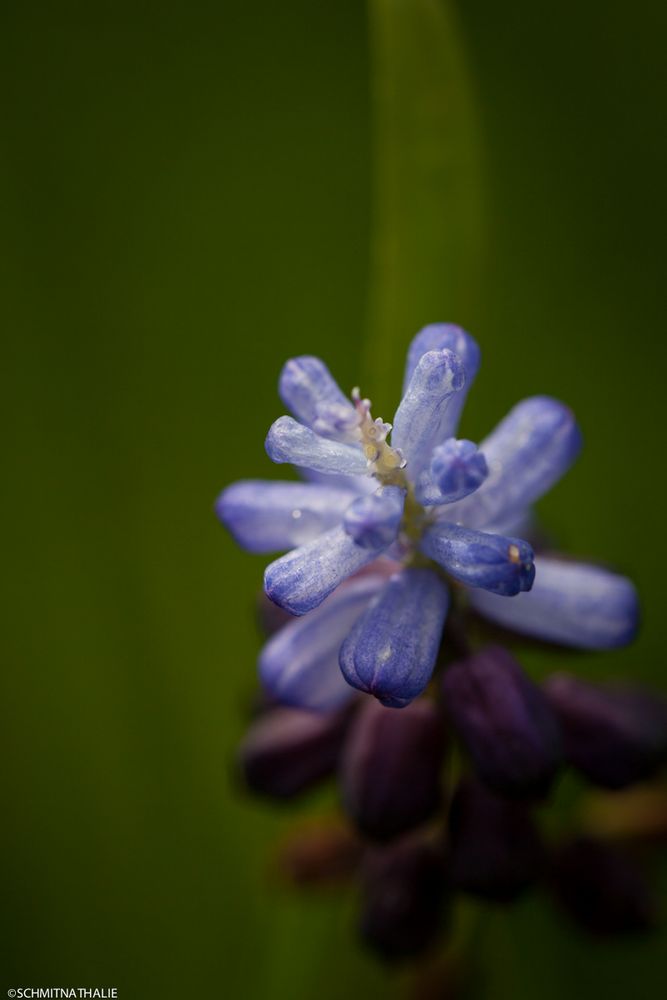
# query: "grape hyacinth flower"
403,897
615,735
394,544
602,888
394,523
493,845
390,768
505,722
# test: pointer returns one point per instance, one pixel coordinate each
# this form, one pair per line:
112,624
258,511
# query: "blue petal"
266,516
306,385
300,580
438,337
570,603
299,665
457,469
494,562
338,421
290,441
421,421
391,651
373,521
527,453
357,484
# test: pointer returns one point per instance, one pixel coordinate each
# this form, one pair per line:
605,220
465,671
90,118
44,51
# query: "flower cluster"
443,799
400,541
433,519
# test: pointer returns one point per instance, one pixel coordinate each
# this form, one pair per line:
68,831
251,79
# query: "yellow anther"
384,461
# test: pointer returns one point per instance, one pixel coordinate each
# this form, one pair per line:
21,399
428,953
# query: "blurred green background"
191,193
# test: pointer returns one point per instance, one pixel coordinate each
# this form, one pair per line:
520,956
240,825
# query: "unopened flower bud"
602,888
390,767
403,897
504,721
457,470
494,850
614,735
287,750
373,521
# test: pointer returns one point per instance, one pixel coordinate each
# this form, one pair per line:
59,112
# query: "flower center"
388,466
385,463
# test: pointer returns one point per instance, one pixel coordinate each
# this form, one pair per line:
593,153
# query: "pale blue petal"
457,469
301,580
373,521
290,441
266,516
299,665
526,454
439,337
358,484
306,385
392,649
523,524
571,603
494,562
338,421
421,420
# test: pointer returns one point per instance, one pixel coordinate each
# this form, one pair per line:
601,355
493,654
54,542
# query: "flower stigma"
384,462
388,466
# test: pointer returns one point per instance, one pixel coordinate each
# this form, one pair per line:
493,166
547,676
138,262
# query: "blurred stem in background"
427,213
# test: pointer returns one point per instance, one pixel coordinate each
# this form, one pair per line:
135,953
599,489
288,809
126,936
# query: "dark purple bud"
390,767
614,735
602,888
505,723
287,750
403,897
494,849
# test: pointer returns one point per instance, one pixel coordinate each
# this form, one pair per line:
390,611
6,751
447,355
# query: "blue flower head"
393,520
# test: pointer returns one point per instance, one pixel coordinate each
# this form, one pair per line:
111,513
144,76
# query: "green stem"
427,203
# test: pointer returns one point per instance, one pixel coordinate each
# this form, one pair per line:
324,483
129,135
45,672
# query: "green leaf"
427,202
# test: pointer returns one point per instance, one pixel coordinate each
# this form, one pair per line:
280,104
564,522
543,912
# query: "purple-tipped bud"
501,565
307,386
390,767
403,898
505,723
614,735
421,420
373,521
602,888
287,751
436,337
494,849
457,470
392,649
